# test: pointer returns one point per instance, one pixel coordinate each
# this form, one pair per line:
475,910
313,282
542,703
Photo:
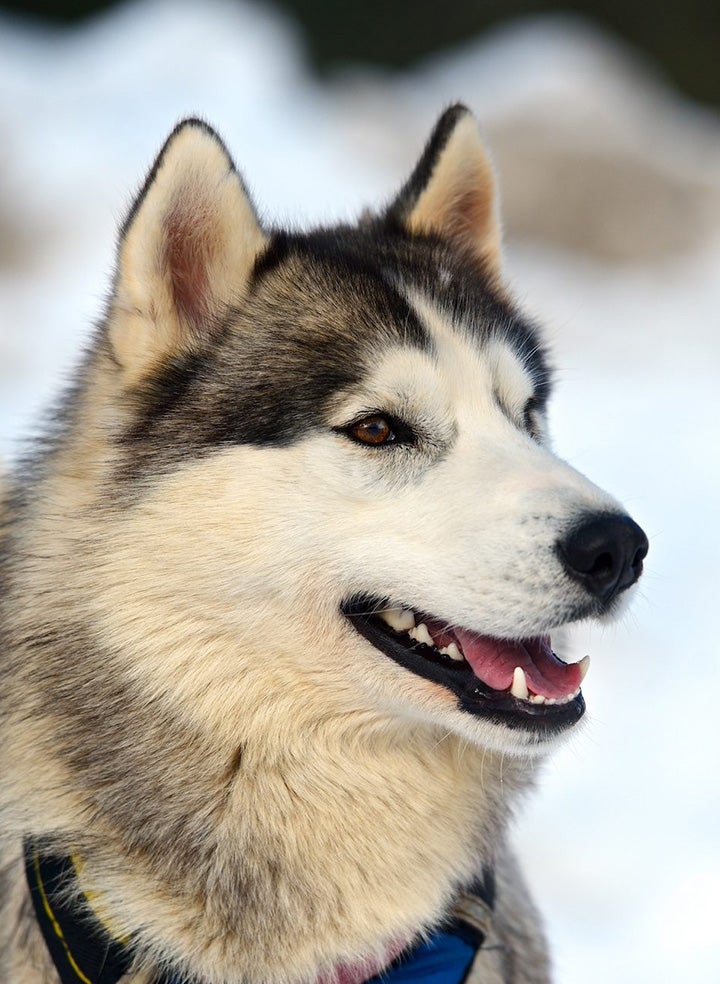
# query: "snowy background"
612,205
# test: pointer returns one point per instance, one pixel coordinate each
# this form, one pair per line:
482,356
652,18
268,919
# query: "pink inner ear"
470,219
188,251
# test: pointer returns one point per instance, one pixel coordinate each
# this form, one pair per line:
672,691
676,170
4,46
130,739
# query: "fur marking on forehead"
504,340
337,267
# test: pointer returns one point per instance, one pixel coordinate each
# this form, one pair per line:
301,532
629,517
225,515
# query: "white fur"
463,528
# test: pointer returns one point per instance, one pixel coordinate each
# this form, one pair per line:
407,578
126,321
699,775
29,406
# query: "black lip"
474,696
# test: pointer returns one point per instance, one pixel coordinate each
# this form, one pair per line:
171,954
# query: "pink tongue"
494,661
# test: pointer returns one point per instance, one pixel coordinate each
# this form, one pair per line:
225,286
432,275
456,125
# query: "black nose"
605,553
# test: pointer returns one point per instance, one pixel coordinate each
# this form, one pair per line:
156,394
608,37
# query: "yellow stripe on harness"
54,922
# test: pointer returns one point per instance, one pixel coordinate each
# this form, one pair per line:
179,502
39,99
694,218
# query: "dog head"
324,466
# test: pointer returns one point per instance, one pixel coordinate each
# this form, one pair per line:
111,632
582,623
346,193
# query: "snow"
621,842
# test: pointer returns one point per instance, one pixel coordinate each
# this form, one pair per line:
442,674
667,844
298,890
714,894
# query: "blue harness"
446,958
84,953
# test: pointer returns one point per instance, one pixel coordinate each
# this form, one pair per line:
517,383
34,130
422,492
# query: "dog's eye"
378,430
374,430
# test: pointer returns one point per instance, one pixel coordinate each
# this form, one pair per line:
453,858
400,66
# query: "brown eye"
373,430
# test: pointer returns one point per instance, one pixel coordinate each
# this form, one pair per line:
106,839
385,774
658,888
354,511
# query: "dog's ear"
452,194
186,252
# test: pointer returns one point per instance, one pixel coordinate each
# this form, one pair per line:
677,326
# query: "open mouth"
518,683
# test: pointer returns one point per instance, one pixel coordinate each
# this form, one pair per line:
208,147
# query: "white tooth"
400,619
584,665
420,632
519,684
453,652
537,699
551,700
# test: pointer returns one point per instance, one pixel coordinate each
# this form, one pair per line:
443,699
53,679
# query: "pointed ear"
452,193
186,252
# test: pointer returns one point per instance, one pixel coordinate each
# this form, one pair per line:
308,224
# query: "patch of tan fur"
460,201
24,957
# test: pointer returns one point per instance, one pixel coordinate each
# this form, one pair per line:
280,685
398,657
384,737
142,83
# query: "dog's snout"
605,553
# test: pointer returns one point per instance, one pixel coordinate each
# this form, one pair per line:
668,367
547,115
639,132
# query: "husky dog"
277,596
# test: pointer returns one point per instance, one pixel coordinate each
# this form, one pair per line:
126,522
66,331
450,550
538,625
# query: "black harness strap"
473,911
85,952
82,950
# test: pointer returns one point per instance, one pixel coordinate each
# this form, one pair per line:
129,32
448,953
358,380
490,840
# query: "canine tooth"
421,634
400,619
584,665
519,684
453,652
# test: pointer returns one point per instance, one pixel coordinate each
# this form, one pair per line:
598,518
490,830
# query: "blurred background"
602,120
